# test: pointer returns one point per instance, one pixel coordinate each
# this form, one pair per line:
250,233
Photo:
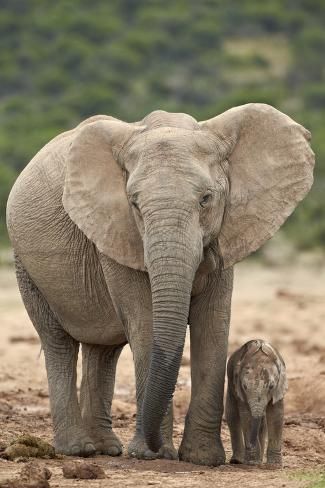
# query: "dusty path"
285,306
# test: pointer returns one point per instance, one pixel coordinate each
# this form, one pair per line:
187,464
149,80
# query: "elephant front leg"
96,394
131,295
233,421
274,418
253,453
209,325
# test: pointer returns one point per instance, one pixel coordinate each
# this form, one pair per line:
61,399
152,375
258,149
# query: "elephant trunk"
254,431
257,404
172,259
257,399
252,447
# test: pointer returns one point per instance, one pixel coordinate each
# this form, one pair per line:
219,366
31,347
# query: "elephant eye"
205,199
135,205
271,385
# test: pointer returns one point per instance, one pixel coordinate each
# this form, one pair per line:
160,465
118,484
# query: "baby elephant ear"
270,171
237,380
282,386
94,194
252,347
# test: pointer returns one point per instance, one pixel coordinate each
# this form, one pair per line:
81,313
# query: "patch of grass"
314,479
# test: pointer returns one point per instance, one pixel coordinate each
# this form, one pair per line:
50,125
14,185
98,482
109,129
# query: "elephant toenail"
89,449
114,451
75,450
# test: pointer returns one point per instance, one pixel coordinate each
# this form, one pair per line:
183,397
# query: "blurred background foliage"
63,61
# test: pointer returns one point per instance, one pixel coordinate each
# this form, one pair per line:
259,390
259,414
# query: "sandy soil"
285,306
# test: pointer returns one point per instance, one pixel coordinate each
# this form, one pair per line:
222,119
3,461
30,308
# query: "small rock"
22,484
31,476
83,471
33,471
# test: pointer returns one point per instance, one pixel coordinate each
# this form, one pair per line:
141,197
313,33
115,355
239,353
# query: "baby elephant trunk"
254,431
252,451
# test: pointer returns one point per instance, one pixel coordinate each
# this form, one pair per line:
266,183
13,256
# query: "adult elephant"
128,232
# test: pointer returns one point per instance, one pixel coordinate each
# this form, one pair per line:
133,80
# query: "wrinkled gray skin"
168,178
254,406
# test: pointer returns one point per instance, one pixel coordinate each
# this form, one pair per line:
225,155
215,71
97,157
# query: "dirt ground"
283,305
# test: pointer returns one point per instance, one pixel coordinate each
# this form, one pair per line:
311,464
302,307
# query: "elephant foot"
202,448
235,460
252,458
74,441
253,462
274,458
106,442
139,449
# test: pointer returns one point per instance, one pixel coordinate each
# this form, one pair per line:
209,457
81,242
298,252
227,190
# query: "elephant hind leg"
61,354
96,394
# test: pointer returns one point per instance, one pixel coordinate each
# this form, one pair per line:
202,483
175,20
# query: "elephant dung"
83,471
27,446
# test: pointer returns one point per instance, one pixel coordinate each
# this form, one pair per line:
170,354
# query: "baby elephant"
254,407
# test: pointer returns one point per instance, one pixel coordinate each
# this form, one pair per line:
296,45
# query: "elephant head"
169,194
259,378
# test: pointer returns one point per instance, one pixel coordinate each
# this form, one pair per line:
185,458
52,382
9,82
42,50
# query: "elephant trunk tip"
154,441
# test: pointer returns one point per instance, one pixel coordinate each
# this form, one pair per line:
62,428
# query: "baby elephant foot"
74,441
201,448
106,442
252,457
274,457
236,459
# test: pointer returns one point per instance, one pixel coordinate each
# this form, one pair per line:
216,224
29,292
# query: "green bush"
64,61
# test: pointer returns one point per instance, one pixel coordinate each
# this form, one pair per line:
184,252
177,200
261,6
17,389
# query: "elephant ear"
282,386
94,193
270,171
237,380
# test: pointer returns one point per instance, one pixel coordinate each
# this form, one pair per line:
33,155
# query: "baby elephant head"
260,378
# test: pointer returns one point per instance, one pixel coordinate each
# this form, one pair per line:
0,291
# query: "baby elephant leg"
61,353
262,437
233,421
96,394
253,454
274,417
